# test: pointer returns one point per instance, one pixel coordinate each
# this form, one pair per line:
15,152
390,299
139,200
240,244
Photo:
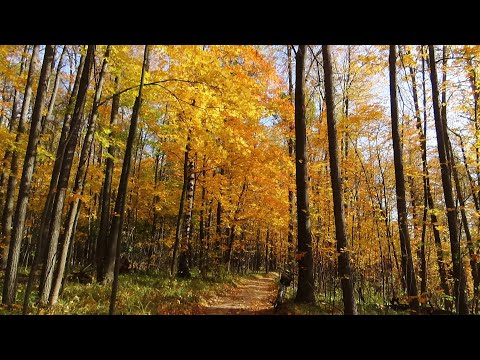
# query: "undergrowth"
138,294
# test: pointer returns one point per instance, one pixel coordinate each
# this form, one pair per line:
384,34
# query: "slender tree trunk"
8,152
79,183
466,228
10,280
436,234
12,179
218,231
102,241
64,175
119,212
179,262
51,104
428,199
407,262
344,271
235,220
201,264
291,195
185,249
304,255
458,273
470,245
47,210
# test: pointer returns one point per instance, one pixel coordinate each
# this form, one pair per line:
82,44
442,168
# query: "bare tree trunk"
102,241
235,220
64,175
119,213
291,146
458,272
305,292
10,280
51,104
470,245
47,209
344,271
12,179
407,262
428,199
184,261
79,183
203,246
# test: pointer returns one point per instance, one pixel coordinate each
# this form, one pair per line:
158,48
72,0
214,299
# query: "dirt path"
252,296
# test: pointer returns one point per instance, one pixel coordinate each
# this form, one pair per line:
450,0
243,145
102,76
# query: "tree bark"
8,152
407,262
291,196
10,280
470,245
103,245
304,254
64,175
238,209
185,249
51,104
12,179
458,272
79,183
428,198
344,271
119,212
47,209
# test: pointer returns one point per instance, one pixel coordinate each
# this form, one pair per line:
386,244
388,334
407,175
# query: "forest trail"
252,296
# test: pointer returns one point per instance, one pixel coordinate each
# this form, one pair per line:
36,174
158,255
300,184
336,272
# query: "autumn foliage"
214,125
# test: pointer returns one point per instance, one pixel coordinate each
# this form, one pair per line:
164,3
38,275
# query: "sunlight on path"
251,297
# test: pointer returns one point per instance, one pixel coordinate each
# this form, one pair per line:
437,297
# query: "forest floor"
250,296
157,294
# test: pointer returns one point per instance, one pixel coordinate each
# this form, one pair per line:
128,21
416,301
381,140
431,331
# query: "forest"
185,179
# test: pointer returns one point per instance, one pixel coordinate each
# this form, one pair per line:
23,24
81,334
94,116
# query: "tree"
305,293
102,240
10,281
64,175
407,262
74,208
12,179
344,271
442,141
119,212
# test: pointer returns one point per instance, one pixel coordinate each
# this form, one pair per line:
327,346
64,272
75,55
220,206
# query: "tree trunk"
470,245
64,175
102,241
12,179
428,198
202,218
51,104
407,262
458,272
344,271
119,212
304,254
10,280
8,152
79,183
47,209
184,262
235,219
291,196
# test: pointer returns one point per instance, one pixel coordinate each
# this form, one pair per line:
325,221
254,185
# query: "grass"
324,306
139,294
